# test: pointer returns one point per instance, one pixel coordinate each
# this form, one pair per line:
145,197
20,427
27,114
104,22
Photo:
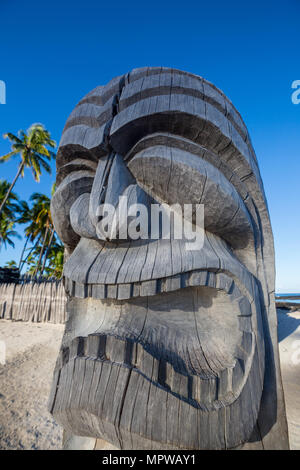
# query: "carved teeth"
112,291
244,306
179,383
224,383
96,346
224,282
151,287
196,389
172,283
93,346
169,373
209,390
146,363
241,353
136,289
247,342
115,349
130,352
238,374
99,291
148,288
245,323
243,350
236,293
211,280
198,278
80,290
77,347
204,391
65,355
124,291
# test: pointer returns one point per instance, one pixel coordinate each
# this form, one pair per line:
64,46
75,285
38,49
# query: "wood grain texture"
166,347
33,301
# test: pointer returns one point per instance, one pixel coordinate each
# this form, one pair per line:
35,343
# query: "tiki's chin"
180,355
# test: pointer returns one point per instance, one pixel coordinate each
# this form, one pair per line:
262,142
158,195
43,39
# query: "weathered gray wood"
33,301
191,180
73,185
166,347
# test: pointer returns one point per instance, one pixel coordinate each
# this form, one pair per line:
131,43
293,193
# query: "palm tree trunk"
31,250
47,250
42,251
23,251
11,187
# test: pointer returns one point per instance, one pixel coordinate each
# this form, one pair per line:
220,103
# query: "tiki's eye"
176,176
74,184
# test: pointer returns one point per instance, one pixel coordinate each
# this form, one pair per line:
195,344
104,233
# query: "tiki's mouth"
197,341
201,353
102,267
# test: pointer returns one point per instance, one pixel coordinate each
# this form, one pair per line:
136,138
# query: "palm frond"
45,165
6,157
35,168
12,137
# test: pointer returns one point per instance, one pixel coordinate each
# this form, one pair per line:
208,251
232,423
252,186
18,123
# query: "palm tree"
8,215
32,263
43,221
7,232
47,249
56,260
25,218
35,229
41,232
52,230
41,229
11,264
12,201
32,148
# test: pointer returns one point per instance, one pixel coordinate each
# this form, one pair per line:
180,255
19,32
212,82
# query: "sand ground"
289,350
31,350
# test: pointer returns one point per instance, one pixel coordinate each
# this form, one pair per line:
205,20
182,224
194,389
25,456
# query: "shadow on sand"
286,324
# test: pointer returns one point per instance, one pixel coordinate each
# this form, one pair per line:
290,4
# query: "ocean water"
280,297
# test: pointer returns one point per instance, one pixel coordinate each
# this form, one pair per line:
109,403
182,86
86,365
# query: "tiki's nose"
111,179
92,212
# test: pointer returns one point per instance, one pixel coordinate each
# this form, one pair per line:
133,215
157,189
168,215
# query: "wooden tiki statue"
165,347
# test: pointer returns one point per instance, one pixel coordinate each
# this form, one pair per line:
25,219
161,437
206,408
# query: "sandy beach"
289,350
31,350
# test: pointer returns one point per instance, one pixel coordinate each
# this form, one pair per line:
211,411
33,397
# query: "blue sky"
53,53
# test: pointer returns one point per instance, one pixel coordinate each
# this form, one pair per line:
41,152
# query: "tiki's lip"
220,279
148,267
206,390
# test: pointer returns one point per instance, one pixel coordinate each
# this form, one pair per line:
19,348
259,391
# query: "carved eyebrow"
75,165
89,123
100,119
90,114
179,83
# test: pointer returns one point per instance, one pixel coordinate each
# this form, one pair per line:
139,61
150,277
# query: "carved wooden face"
164,347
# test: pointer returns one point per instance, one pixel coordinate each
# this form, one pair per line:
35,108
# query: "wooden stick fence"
33,300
